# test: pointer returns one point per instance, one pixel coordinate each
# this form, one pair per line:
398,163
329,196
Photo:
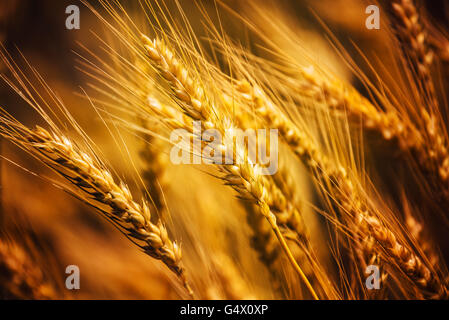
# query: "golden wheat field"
224,149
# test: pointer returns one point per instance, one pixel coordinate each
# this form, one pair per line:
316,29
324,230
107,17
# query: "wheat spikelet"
97,183
193,101
21,278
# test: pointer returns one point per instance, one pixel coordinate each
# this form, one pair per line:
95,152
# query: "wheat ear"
352,204
242,177
336,94
262,239
282,192
97,183
304,148
407,261
413,37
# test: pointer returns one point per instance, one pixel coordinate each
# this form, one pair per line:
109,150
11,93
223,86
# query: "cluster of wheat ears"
314,232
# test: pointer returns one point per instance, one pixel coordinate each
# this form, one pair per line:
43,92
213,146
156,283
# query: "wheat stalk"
347,197
264,242
242,177
96,183
283,190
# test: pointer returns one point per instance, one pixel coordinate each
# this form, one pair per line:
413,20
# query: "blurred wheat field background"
87,177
